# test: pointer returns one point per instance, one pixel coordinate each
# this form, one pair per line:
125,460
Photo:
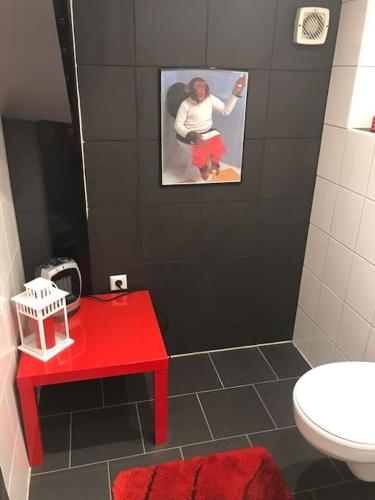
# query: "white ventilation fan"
311,26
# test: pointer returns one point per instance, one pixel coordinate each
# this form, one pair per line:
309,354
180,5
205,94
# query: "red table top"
110,338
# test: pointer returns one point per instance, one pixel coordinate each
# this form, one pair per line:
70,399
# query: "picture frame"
202,125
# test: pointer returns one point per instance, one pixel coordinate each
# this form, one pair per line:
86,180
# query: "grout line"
248,438
273,430
70,439
181,452
268,363
109,481
140,428
208,425
265,407
217,373
233,348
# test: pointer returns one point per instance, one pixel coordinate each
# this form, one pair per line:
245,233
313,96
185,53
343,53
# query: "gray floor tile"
191,374
356,490
81,483
128,388
56,443
105,434
344,470
285,360
73,396
242,366
278,397
186,423
216,446
145,460
305,495
301,466
231,412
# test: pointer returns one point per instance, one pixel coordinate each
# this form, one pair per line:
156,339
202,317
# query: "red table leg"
31,425
161,406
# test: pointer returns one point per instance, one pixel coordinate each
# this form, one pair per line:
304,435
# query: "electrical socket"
118,277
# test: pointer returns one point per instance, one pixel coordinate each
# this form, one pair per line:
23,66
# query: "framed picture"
202,125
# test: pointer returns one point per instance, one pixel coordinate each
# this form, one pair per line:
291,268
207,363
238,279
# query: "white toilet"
334,409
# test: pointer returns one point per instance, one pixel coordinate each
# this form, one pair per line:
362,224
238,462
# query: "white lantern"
42,319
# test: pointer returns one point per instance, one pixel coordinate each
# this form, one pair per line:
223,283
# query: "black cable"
99,299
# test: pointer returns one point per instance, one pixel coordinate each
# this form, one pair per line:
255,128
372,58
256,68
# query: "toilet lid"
340,398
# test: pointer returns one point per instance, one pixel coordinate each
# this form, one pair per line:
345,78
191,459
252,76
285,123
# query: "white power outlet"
118,277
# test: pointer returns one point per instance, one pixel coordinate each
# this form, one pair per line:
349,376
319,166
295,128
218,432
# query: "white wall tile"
338,263
322,351
331,152
353,335
358,153
329,313
309,293
19,481
366,236
367,56
13,460
349,37
316,251
346,217
361,288
371,182
363,101
323,204
370,349
304,332
338,356
339,96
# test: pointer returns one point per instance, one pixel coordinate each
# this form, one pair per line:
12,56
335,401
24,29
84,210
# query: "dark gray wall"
224,262
25,164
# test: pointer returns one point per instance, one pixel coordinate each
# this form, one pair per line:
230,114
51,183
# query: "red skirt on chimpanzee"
213,150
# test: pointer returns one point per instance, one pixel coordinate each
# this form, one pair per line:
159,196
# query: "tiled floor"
219,401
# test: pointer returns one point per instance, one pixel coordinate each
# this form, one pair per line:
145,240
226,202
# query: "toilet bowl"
334,410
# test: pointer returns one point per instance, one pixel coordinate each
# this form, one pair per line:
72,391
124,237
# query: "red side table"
110,338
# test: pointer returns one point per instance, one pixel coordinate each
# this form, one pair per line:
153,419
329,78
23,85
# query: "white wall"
336,311
13,458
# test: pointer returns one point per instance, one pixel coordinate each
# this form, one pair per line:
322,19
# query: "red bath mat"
249,474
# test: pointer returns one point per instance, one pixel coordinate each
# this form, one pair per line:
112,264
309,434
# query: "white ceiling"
32,81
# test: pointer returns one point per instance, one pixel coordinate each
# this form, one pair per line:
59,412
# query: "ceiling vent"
311,26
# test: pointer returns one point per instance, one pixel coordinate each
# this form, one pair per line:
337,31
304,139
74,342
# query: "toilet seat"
339,398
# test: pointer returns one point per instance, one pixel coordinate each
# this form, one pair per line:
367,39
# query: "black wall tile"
251,171
240,33
107,102
104,31
225,282
170,233
228,229
151,190
27,178
289,167
172,286
288,55
113,236
35,240
111,173
297,103
171,32
257,99
148,102
282,224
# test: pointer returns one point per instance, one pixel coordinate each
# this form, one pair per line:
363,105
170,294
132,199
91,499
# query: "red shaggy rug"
249,474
